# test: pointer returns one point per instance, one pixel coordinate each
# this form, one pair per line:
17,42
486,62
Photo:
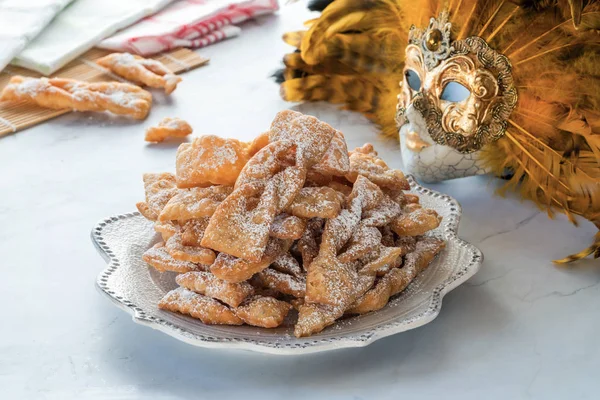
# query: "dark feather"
318,5
278,76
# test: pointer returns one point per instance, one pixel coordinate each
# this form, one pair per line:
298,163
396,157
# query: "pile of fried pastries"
291,220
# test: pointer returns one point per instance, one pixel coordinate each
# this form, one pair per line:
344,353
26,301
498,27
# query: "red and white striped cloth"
187,23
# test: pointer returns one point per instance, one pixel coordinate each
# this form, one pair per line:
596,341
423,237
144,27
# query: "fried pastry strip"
209,285
141,70
166,229
365,161
204,308
234,269
234,220
261,177
57,93
159,258
283,283
311,202
398,279
263,311
287,264
331,285
194,203
192,231
210,160
159,189
287,227
416,223
335,161
179,251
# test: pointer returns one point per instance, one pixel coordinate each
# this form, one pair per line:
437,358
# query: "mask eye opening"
455,92
413,80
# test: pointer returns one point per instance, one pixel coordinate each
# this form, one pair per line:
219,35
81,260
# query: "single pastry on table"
141,70
58,93
168,127
290,221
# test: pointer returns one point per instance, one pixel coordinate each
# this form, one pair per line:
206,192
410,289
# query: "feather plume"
353,55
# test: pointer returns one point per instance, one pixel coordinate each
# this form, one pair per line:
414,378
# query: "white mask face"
429,161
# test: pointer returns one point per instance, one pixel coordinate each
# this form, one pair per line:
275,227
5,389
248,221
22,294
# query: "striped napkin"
187,23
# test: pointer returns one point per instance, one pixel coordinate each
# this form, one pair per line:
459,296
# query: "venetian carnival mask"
456,97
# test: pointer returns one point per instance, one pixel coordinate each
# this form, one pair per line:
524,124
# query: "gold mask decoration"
463,88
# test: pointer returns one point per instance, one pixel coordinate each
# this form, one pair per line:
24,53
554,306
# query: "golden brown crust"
141,70
233,269
365,161
166,229
192,231
168,127
416,223
207,310
198,255
312,202
283,283
194,203
398,279
210,160
287,227
264,312
209,285
159,189
58,93
159,258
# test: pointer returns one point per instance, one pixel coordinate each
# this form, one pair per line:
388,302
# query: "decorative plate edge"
450,229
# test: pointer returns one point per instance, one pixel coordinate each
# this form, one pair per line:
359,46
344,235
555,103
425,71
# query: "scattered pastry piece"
209,285
159,258
57,93
141,70
168,127
206,309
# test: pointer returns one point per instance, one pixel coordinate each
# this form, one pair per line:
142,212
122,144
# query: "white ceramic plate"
136,288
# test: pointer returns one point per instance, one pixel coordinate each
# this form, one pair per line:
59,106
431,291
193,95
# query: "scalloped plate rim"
340,342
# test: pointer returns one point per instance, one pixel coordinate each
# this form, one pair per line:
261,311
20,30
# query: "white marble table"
521,328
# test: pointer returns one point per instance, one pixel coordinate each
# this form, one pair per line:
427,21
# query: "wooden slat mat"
18,116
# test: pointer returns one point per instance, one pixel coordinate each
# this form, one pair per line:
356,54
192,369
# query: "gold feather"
353,55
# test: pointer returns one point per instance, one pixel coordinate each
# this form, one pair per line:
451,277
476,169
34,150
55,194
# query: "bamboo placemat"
18,116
